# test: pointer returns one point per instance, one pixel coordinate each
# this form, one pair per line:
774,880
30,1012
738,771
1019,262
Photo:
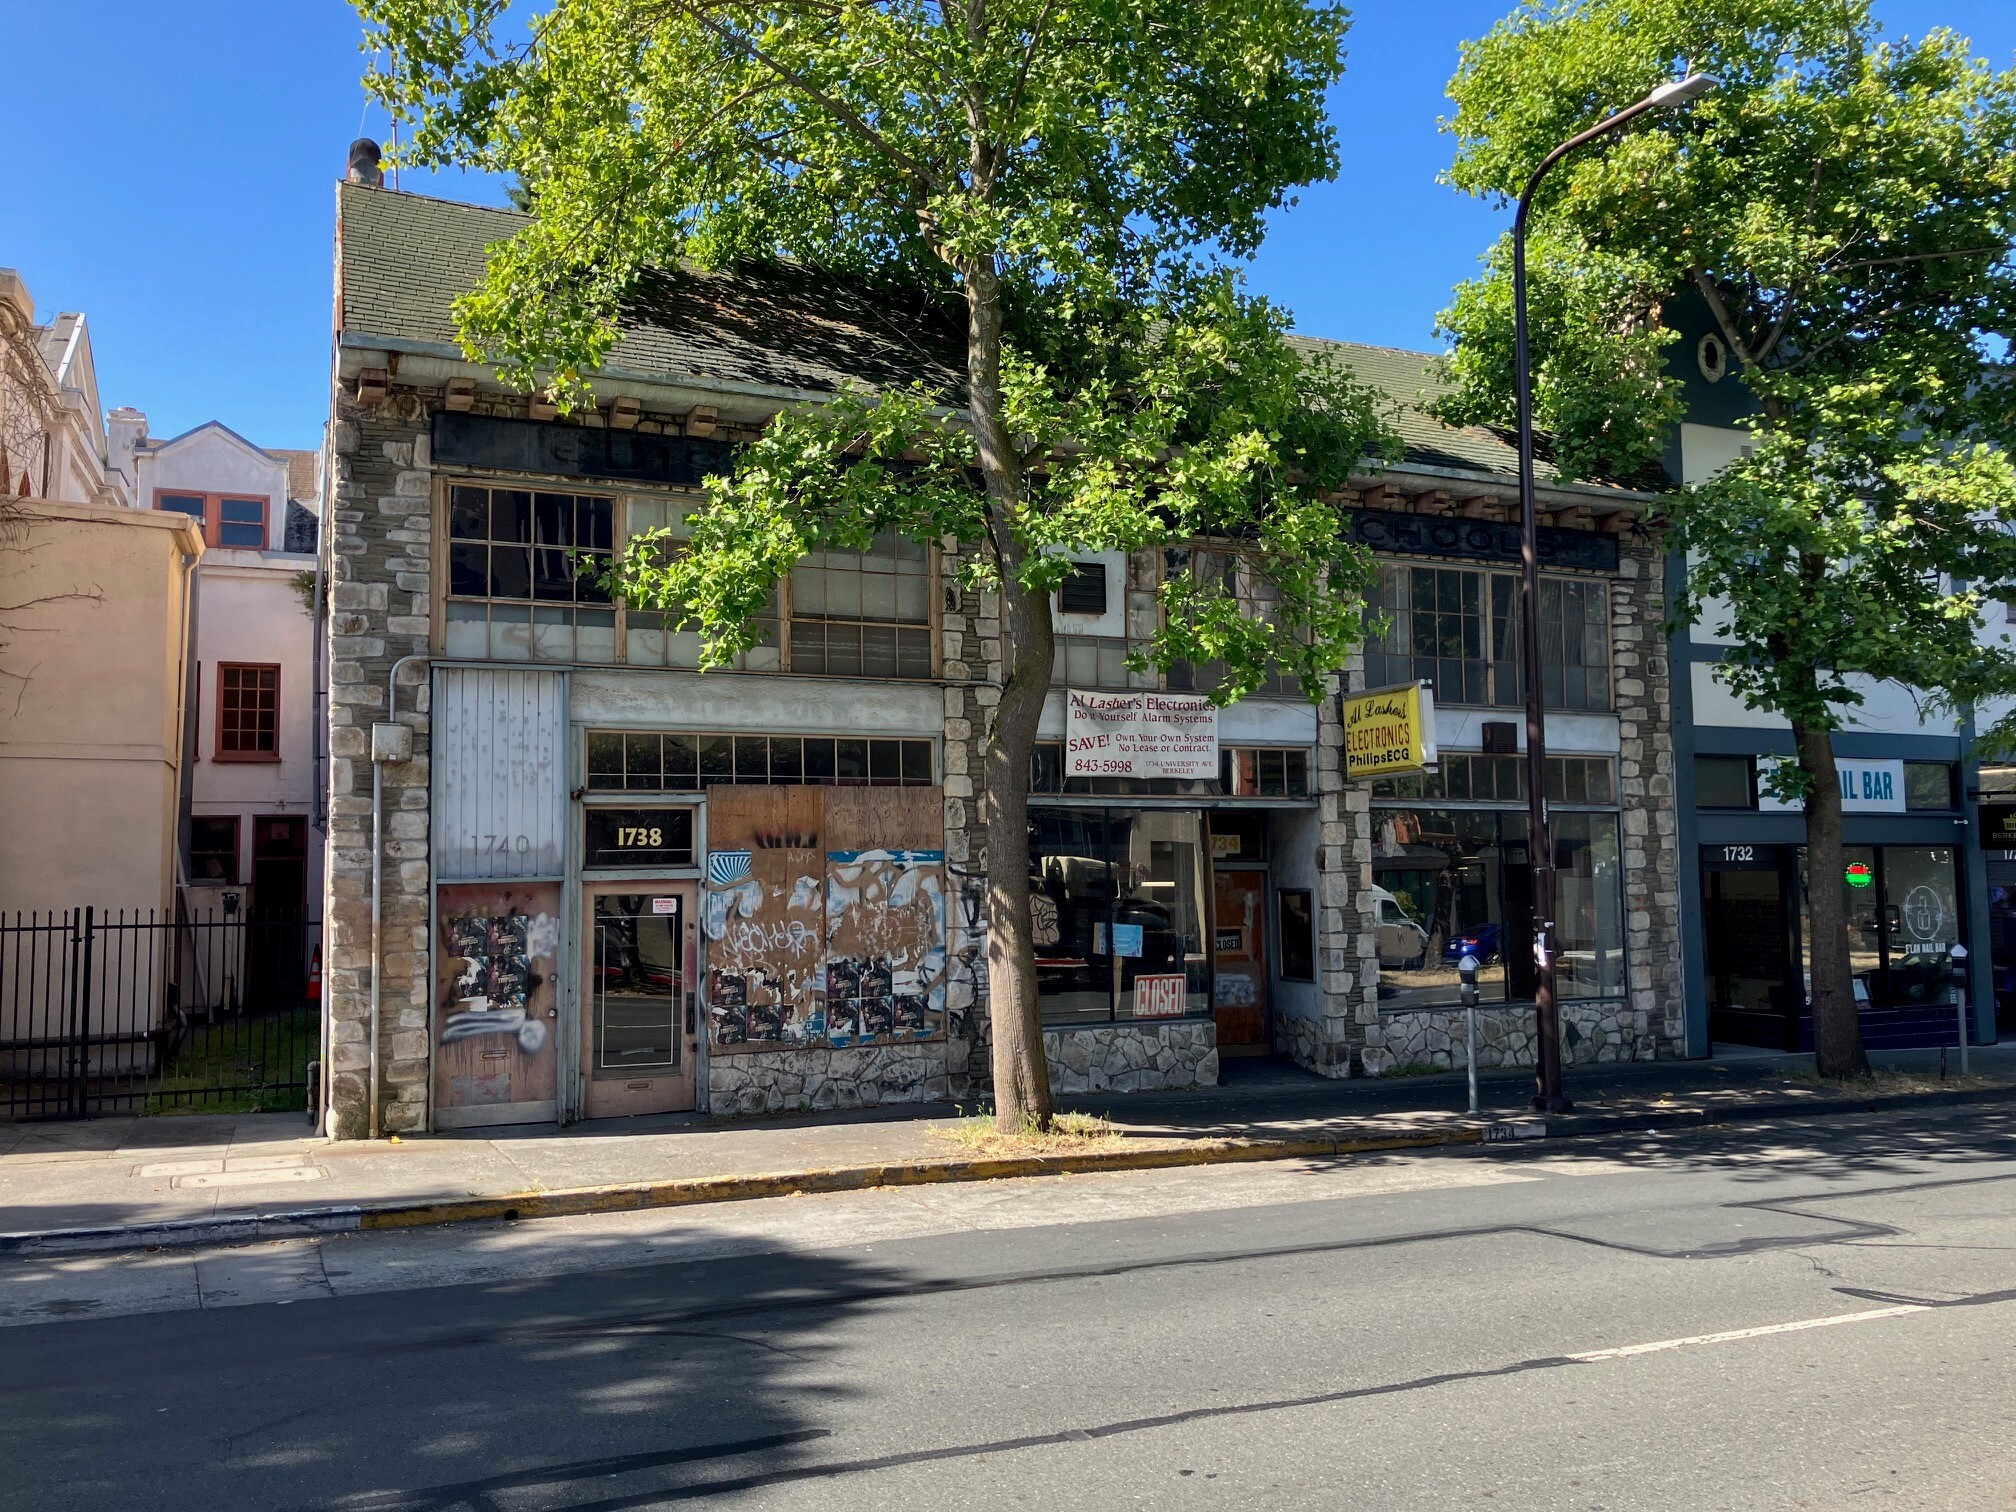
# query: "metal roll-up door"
500,773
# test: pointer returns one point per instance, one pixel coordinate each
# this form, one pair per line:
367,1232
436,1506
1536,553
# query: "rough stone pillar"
380,609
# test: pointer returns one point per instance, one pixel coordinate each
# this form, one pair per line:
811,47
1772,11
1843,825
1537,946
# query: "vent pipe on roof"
364,169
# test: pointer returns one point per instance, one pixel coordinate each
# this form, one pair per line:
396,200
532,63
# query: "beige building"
93,717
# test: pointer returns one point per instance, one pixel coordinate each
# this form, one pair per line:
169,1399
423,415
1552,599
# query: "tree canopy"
1078,178
1843,207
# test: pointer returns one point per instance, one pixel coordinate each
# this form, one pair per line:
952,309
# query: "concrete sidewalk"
125,1182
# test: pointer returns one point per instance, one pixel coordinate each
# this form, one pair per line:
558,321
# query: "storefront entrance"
638,1017
1239,946
1748,935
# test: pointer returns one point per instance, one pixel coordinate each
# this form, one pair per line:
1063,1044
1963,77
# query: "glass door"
638,1008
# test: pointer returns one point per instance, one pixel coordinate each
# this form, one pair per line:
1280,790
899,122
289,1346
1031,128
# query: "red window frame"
213,515
233,724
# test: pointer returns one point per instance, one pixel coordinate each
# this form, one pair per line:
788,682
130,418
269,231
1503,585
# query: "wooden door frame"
687,890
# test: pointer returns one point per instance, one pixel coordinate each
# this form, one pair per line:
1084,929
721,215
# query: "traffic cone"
315,976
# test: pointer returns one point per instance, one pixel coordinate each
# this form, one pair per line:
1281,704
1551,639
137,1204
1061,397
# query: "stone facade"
380,524
784,1081
1132,1057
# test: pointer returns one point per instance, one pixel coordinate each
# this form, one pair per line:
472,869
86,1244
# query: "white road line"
1750,1333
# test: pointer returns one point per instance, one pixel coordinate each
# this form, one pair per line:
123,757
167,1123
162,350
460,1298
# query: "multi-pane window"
523,566
233,520
523,585
652,761
863,614
1458,628
1470,778
1231,578
213,848
1091,661
248,712
1243,772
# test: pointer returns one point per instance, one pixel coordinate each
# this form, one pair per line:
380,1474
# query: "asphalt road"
1796,1315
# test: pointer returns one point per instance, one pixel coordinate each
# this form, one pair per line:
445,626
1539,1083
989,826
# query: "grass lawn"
221,1066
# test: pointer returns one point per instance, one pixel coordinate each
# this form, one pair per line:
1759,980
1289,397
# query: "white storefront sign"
1141,735
1867,787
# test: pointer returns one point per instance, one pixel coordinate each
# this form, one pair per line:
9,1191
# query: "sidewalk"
124,1182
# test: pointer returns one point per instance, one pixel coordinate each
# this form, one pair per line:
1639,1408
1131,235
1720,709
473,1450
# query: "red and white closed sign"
1159,996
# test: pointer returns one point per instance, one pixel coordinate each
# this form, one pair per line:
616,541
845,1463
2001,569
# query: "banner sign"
1389,731
1867,787
1141,735
1998,826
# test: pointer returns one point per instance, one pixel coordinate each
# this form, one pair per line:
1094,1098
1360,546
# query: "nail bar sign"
1141,735
1867,787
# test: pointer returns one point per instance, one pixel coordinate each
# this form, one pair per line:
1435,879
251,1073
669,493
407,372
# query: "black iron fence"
133,1012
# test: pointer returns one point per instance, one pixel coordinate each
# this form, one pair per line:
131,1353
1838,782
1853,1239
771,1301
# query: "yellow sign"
1389,731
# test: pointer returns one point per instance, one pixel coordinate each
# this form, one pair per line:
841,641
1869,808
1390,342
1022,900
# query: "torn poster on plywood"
885,946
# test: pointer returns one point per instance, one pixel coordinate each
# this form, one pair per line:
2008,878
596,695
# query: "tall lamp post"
1548,1096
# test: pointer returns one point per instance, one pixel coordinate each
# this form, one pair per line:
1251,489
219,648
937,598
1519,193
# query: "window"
1092,661
1243,771
1256,598
1928,785
1298,934
863,614
648,762
235,520
213,849
248,712
1116,895
1467,777
650,638
1725,782
1458,628
521,575
1454,882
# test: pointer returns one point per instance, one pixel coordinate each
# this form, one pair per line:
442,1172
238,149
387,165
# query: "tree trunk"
1837,1026
1021,1071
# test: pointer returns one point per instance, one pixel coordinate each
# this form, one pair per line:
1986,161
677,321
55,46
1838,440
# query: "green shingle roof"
405,259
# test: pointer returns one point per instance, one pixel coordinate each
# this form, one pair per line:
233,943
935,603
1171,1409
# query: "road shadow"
584,1389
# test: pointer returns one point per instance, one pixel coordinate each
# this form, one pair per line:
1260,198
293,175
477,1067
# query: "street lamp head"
1675,92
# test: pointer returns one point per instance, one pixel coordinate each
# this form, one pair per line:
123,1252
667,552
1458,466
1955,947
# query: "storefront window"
1117,895
1454,882
1903,922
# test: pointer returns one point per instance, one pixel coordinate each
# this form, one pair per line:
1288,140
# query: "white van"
1403,944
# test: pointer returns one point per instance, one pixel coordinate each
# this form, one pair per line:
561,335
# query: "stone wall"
1591,1034
783,1081
1132,1057
380,584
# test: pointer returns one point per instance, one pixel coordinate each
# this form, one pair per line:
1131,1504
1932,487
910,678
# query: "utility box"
391,742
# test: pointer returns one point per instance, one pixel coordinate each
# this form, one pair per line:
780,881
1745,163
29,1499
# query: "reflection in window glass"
1160,886
1298,934
1928,785
1921,918
1070,904
1454,882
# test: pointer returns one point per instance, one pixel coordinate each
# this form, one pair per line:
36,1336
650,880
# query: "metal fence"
135,1012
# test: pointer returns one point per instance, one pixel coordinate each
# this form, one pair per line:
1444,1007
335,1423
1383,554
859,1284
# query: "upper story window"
248,712
236,520
1458,628
518,591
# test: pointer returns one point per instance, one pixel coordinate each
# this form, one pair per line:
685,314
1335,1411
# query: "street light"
1548,1096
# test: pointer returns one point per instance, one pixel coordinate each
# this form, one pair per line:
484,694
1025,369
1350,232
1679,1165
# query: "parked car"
1481,942
1402,941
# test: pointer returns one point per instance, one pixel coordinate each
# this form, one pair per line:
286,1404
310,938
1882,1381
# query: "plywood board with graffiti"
825,917
495,993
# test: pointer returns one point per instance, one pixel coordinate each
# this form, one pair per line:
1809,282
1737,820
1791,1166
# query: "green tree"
1843,206
1073,178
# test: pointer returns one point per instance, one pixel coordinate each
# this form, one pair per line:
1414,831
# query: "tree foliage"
1077,177
1843,207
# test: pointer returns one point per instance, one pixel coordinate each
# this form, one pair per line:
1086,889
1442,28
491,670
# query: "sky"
171,165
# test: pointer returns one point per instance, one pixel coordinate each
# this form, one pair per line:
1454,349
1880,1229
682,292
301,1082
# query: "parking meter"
1466,973
1959,955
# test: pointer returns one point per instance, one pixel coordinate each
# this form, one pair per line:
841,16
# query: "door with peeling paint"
496,1003
638,1011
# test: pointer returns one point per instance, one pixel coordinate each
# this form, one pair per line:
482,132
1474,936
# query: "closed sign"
1159,996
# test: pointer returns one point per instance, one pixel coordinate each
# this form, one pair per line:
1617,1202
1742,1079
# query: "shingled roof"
406,257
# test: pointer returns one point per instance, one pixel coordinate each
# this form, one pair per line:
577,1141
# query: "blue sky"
171,170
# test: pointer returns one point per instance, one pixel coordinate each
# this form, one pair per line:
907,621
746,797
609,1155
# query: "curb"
628,1197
